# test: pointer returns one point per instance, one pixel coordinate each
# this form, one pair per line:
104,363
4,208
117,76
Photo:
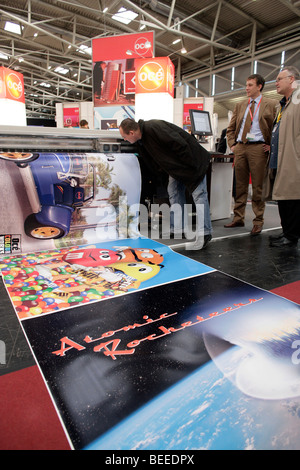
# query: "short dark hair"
129,125
259,80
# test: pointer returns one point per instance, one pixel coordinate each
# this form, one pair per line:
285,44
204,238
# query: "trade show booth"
140,347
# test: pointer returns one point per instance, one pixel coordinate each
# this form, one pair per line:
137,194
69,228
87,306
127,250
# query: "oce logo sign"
142,46
151,76
14,86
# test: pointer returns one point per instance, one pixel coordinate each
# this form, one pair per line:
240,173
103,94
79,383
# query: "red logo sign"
142,46
127,46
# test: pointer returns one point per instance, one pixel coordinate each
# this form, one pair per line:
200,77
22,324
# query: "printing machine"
39,139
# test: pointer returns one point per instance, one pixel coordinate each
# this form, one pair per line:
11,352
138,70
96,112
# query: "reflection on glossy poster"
200,363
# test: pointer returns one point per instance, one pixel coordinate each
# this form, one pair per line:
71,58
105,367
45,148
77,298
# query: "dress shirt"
255,129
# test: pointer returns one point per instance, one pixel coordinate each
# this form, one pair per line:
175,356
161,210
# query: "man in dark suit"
177,153
249,136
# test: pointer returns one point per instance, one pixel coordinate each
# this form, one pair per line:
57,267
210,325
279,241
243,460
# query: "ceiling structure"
219,43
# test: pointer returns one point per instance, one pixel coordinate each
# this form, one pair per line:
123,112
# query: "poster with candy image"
48,281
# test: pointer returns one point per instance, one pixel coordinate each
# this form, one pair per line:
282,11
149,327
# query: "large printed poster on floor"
56,200
143,348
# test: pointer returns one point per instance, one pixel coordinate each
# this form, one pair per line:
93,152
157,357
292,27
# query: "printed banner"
44,282
114,75
206,362
140,347
63,200
71,117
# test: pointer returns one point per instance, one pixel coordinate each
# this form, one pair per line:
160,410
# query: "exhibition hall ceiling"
51,46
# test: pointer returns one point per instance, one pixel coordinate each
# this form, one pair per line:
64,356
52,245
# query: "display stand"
220,186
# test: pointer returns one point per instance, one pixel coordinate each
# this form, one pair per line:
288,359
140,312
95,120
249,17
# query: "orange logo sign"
151,76
14,85
154,75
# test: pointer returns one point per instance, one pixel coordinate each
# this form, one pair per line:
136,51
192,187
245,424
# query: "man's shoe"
276,237
283,242
256,230
196,245
207,239
234,224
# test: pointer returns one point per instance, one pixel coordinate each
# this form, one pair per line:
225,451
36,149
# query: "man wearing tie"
248,136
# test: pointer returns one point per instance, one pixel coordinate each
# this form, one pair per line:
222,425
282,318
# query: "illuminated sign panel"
11,85
155,75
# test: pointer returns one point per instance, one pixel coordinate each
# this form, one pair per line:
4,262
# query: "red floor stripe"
289,291
28,420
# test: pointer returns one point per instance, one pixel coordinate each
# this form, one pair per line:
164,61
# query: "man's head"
286,81
130,130
84,124
254,85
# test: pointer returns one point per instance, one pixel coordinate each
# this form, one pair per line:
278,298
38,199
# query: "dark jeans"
289,212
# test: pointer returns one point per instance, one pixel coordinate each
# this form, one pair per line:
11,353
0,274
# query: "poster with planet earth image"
202,362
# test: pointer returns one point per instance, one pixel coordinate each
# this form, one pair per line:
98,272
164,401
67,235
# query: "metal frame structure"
212,38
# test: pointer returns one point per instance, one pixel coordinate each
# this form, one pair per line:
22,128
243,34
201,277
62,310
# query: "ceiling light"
150,24
3,56
61,70
176,41
83,48
183,50
124,16
12,27
105,10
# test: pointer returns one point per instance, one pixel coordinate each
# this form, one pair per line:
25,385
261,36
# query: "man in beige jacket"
248,136
285,158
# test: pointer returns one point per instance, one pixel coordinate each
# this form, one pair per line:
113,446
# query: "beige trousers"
249,159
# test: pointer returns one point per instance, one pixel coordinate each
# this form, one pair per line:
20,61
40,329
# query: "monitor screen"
200,123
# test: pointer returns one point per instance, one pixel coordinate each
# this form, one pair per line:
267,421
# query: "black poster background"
92,391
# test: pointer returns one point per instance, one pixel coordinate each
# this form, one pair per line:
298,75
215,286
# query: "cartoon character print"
91,257
120,270
141,254
124,276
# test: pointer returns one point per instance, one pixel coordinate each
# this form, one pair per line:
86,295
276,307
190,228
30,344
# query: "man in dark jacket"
180,155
